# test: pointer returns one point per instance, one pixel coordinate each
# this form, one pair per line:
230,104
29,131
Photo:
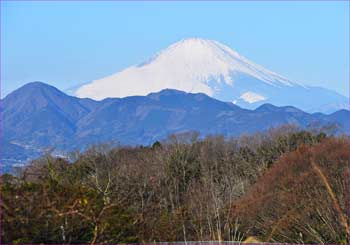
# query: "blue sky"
70,43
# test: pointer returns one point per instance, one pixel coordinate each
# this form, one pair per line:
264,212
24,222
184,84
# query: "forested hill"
38,116
285,186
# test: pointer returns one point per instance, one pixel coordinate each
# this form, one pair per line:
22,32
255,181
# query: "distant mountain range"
205,66
38,116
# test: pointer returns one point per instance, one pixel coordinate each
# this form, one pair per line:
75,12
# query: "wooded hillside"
286,185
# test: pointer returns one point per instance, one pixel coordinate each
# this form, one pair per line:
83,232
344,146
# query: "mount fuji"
206,66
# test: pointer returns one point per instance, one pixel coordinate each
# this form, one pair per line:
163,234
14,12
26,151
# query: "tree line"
284,185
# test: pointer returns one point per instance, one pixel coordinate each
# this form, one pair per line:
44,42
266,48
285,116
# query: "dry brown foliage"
303,198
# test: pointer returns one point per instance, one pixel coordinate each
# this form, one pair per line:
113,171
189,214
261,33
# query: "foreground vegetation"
286,185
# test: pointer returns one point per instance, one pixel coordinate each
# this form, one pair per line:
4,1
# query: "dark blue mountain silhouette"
38,116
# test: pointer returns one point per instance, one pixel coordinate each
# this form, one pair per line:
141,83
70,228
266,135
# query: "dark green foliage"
156,144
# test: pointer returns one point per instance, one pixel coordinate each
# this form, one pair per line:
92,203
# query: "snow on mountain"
207,66
251,97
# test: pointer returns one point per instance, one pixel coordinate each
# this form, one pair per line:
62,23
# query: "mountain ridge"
207,66
38,116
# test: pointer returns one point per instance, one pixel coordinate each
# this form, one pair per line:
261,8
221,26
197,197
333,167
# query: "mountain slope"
38,116
206,66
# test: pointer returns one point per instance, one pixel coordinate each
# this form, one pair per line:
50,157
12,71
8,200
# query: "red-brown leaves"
297,199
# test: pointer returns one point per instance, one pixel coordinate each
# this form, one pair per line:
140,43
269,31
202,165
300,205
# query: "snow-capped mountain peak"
205,58
185,65
198,65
